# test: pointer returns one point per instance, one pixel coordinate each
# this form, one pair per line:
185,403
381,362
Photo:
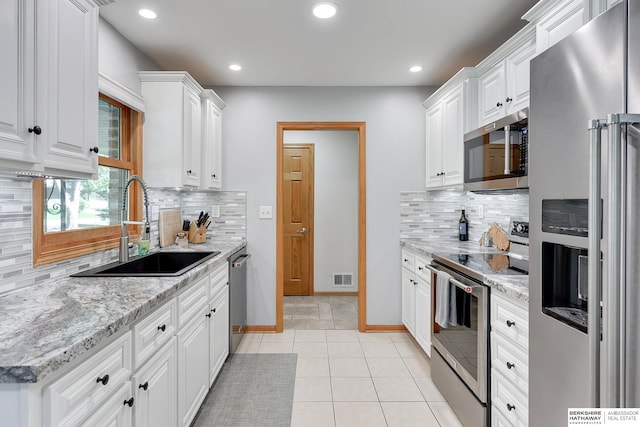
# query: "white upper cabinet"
448,116
503,85
52,46
172,129
556,19
212,107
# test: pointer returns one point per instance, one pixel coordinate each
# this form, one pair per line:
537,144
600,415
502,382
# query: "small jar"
181,239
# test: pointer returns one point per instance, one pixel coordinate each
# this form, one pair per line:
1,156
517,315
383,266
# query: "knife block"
197,234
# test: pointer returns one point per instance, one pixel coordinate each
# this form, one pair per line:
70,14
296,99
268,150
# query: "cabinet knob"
189,172
510,323
510,365
213,175
94,149
499,104
213,310
406,260
36,129
129,402
162,328
208,314
104,380
420,268
510,407
509,99
144,386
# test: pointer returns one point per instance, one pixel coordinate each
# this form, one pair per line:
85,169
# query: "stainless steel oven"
460,363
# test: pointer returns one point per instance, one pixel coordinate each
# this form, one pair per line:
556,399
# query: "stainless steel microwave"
496,156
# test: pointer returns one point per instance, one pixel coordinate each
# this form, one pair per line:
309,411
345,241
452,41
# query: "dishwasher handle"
240,261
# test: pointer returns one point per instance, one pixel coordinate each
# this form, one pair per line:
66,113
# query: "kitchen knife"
199,221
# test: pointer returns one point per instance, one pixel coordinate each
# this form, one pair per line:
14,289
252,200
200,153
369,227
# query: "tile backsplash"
16,232
435,214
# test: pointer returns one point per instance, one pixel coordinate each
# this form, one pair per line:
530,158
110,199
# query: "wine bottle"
463,228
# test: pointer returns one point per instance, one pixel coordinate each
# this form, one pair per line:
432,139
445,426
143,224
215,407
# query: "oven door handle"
470,289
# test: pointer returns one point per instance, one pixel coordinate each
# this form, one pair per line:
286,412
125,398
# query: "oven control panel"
519,228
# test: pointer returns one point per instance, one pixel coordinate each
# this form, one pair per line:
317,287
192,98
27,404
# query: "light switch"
266,212
215,211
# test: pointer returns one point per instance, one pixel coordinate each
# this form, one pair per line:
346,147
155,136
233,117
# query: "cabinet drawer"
509,400
421,270
408,260
218,279
510,320
509,359
151,333
82,391
191,301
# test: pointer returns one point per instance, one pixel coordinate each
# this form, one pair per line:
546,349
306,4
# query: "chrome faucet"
145,235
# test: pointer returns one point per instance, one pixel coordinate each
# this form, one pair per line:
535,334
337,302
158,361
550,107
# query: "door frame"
360,127
311,224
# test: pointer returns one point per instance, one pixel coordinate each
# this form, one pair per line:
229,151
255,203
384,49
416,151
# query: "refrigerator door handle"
594,268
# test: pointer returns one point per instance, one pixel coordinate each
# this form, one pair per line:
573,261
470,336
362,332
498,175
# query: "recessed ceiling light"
324,10
415,69
235,67
147,13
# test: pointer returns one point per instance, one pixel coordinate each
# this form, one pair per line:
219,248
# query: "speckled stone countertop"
516,287
47,325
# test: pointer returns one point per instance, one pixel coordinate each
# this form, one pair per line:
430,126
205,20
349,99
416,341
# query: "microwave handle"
507,150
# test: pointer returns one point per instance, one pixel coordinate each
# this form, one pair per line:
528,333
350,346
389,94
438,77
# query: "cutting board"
169,223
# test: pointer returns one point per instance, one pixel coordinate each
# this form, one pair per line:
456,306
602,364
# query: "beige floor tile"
348,367
359,414
353,390
310,349
429,390
345,324
275,347
319,324
252,337
374,337
312,390
419,367
400,337
285,336
409,350
324,310
444,414
248,347
312,414
397,390
379,349
342,336
387,368
311,336
316,367
408,414
345,349
294,324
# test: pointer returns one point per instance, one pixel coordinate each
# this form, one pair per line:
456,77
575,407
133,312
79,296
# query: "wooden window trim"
61,245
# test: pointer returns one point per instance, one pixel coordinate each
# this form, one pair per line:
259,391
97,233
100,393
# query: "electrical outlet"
480,211
154,213
266,212
215,211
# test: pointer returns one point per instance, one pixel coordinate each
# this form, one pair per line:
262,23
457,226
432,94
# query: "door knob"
302,230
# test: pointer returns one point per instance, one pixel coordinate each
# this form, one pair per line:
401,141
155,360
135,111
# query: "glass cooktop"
480,265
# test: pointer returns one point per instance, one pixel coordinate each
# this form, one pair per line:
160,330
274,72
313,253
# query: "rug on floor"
251,390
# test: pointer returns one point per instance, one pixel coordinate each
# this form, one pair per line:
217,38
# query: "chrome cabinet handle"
303,230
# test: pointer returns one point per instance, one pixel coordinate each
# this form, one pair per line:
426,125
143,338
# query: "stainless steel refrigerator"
584,212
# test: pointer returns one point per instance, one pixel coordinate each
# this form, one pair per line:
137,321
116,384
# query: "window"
77,217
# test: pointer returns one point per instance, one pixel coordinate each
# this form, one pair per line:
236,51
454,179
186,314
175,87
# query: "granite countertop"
47,325
516,287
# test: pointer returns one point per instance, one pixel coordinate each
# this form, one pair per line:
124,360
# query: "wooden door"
298,219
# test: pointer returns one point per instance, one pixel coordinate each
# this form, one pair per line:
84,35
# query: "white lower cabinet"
416,298
115,412
156,389
218,332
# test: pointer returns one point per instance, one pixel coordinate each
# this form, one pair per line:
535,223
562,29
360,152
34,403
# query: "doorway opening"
282,217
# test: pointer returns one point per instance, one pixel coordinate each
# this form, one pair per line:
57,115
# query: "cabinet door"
408,301
434,146
212,146
491,94
17,103
218,333
192,139
518,77
67,82
453,139
423,315
559,23
155,387
114,412
193,366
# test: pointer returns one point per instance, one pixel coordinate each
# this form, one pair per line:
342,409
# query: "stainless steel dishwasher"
237,297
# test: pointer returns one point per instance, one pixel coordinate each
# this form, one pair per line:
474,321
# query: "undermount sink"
158,264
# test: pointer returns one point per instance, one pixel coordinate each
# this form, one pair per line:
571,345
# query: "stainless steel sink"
158,264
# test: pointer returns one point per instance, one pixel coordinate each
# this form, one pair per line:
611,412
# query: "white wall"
395,156
335,205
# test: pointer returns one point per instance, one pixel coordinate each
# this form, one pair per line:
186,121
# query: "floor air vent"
342,279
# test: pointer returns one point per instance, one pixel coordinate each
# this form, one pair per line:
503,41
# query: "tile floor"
320,312
345,378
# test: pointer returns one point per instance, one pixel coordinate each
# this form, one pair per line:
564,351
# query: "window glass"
109,130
